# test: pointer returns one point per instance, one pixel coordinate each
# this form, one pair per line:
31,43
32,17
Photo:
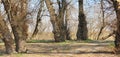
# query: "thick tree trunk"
57,22
68,37
20,34
116,4
8,42
82,33
17,19
6,37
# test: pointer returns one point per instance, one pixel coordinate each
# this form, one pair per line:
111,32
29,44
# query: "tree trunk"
67,29
38,21
57,22
17,19
82,33
116,4
8,42
20,34
6,37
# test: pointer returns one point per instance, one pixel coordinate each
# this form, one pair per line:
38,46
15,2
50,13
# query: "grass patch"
65,42
1,54
40,41
112,44
19,55
69,41
86,41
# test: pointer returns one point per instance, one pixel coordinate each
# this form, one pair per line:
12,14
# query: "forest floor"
66,49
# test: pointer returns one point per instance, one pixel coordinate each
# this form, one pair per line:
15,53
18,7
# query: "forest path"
72,49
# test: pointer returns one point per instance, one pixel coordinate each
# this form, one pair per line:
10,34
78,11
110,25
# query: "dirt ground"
95,49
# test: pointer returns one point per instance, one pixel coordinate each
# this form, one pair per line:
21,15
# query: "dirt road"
95,49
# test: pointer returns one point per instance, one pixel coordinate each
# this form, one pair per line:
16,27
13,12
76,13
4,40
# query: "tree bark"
8,42
82,33
57,22
116,4
20,34
17,18
67,29
6,37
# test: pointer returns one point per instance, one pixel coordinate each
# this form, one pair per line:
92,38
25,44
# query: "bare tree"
39,16
116,4
82,33
103,19
6,36
16,11
57,20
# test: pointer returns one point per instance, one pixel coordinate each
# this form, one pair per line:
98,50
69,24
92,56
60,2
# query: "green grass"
112,44
1,54
88,41
19,55
40,41
65,42
71,42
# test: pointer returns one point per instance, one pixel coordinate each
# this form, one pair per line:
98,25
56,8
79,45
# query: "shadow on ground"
69,47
